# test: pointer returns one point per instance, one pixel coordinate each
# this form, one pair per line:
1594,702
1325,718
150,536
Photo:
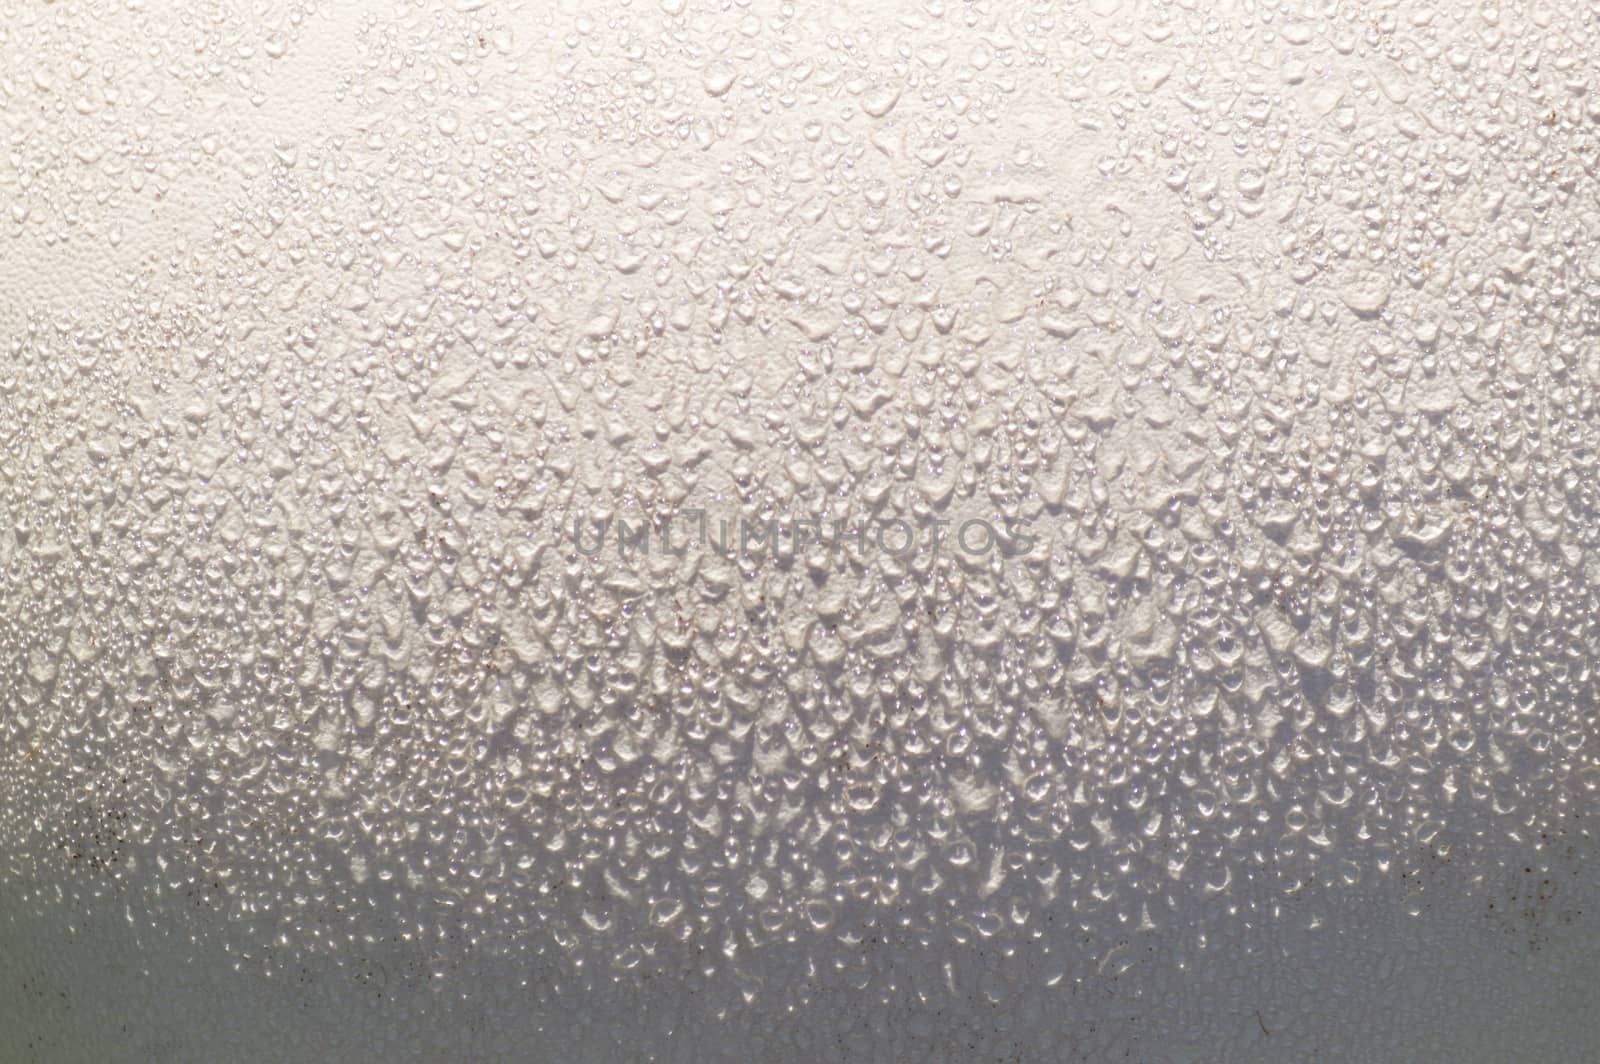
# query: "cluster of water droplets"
1274,338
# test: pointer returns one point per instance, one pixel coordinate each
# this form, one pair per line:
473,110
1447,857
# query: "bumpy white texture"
1274,327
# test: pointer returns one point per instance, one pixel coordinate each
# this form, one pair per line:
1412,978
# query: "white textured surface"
1276,325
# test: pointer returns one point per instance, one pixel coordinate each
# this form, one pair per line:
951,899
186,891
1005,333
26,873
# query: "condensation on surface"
1233,369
